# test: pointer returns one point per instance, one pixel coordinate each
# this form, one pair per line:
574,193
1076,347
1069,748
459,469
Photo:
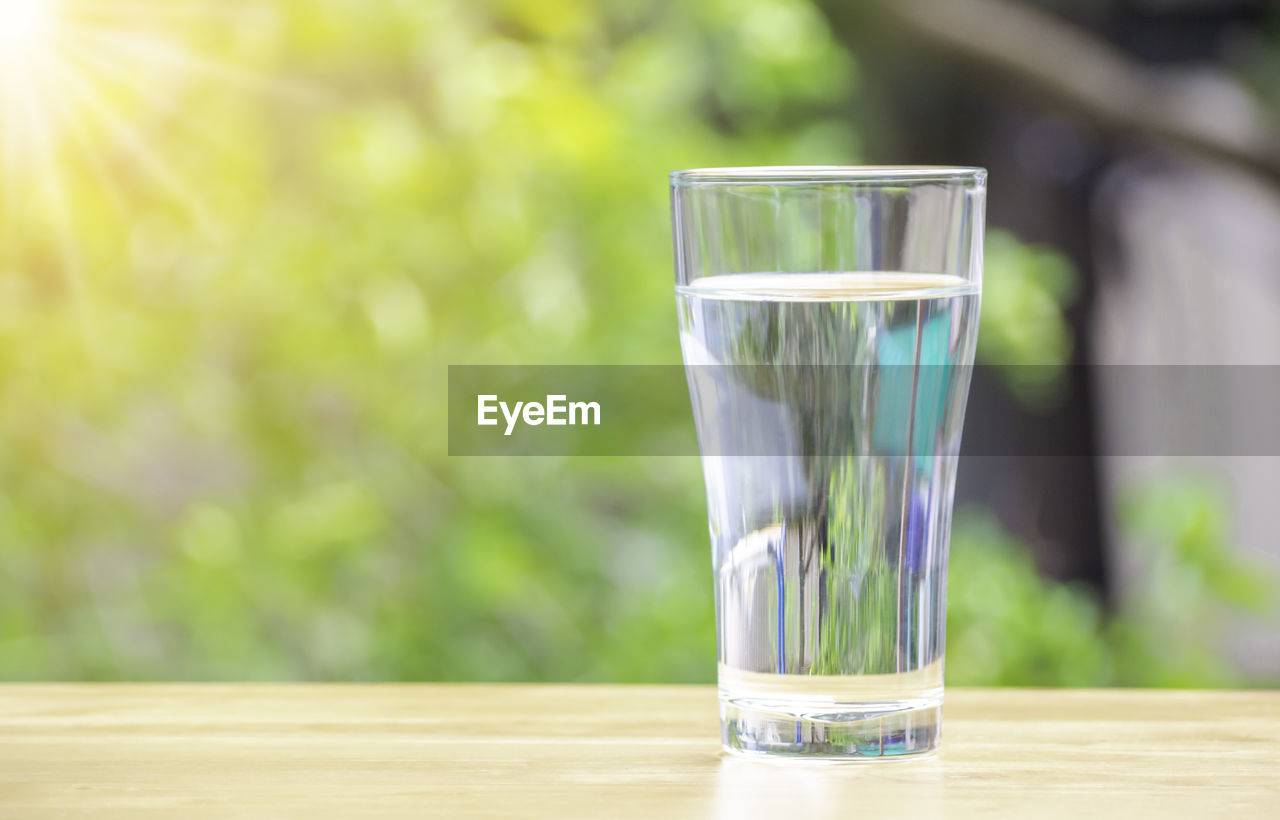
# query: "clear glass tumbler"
828,318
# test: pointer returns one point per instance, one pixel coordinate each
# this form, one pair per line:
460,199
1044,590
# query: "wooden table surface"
437,750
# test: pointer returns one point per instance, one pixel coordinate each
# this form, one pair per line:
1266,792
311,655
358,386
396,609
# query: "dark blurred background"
242,241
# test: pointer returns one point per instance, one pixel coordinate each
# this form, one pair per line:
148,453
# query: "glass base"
839,731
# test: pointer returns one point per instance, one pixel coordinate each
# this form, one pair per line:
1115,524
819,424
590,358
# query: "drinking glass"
828,317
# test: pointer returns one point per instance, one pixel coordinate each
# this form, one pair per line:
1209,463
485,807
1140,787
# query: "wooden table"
319,751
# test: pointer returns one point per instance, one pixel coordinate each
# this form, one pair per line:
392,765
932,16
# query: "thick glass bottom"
875,730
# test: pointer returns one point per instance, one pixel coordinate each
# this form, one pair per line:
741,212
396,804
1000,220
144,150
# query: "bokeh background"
242,241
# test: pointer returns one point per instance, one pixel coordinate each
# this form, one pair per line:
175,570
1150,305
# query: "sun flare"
86,84
29,32
94,95
26,32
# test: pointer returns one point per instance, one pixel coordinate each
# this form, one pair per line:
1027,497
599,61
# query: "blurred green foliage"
1008,625
1188,580
223,361
234,273
1025,288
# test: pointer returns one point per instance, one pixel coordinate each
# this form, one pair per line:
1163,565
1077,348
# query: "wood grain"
320,751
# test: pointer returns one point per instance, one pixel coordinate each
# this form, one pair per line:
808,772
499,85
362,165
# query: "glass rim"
800,174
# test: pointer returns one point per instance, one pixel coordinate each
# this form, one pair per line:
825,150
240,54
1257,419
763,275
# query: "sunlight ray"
133,83
25,35
133,142
89,11
104,74
129,45
50,179
9,140
68,118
